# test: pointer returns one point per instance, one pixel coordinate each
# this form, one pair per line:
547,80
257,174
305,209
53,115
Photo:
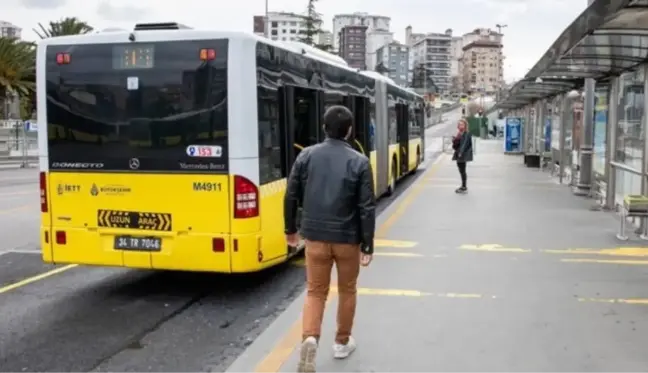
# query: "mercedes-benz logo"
134,163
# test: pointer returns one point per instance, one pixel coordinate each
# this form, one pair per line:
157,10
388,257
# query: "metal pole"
610,146
644,162
584,184
266,26
565,110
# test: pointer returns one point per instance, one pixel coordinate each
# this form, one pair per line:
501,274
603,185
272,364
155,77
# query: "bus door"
361,125
306,125
402,136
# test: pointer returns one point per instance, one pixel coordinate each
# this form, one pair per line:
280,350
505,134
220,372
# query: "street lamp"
500,27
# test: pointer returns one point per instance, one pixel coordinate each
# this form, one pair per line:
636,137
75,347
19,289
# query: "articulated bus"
168,148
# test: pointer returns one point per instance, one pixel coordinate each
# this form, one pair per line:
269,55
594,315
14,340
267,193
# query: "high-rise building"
456,51
376,39
259,25
353,46
372,22
393,62
482,62
9,30
430,57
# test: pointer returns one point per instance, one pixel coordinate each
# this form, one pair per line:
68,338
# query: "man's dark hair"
337,120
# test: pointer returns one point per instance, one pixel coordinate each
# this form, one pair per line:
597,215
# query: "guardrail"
18,152
437,114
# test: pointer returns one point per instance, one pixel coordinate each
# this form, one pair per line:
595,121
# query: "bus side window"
414,129
307,121
271,159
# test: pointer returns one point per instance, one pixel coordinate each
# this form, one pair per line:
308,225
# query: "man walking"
334,185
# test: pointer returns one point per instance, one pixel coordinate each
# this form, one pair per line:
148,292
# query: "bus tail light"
43,192
246,198
61,238
218,245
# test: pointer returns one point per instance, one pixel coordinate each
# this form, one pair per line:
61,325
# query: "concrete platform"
516,275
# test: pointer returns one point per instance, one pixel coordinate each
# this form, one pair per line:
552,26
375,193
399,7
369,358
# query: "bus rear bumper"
200,252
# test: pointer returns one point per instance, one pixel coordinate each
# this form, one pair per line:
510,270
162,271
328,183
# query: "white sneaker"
341,351
307,356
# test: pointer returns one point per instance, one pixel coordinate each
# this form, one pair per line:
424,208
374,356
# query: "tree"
17,69
65,26
313,27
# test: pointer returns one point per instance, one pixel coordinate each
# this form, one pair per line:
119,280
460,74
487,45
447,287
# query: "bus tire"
392,180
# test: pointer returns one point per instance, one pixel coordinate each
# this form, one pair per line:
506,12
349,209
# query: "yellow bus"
168,148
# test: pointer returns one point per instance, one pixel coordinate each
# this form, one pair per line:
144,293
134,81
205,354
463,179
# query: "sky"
532,25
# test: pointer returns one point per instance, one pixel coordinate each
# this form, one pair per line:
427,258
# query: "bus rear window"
128,107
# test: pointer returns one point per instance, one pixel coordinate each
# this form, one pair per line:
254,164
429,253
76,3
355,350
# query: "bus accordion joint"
298,146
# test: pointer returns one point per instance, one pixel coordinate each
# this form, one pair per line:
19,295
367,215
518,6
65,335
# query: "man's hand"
292,239
365,259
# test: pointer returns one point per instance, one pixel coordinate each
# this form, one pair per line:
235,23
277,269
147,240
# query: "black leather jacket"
334,185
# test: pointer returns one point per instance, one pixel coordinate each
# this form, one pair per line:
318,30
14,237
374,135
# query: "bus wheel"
392,182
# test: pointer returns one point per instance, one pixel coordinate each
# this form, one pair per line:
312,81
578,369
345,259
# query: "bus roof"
166,32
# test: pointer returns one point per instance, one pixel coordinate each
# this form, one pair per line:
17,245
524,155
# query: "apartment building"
353,45
393,62
287,27
482,62
482,67
9,30
431,54
456,51
371,21
375,40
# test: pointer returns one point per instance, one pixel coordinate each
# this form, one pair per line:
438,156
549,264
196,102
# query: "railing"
436,116
21,152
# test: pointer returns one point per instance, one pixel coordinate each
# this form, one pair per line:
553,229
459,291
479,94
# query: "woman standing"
463,152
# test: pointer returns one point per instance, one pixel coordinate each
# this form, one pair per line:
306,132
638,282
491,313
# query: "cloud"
118,13
43,4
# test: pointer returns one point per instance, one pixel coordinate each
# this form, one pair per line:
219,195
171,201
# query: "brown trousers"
320,257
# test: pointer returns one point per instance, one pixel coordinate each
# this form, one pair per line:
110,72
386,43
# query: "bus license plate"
138,243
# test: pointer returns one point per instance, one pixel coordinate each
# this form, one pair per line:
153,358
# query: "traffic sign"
31,126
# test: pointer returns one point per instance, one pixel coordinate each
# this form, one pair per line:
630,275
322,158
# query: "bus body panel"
95,208
415,147
382,169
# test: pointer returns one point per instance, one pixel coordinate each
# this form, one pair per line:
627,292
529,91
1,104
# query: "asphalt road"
107,319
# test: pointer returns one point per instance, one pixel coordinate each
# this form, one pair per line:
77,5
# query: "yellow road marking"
30,280
494,248
413,293
619,251
398,254
282,351
395,244
607,261
639,301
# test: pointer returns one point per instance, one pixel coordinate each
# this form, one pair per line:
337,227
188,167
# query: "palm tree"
65,26
17,69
